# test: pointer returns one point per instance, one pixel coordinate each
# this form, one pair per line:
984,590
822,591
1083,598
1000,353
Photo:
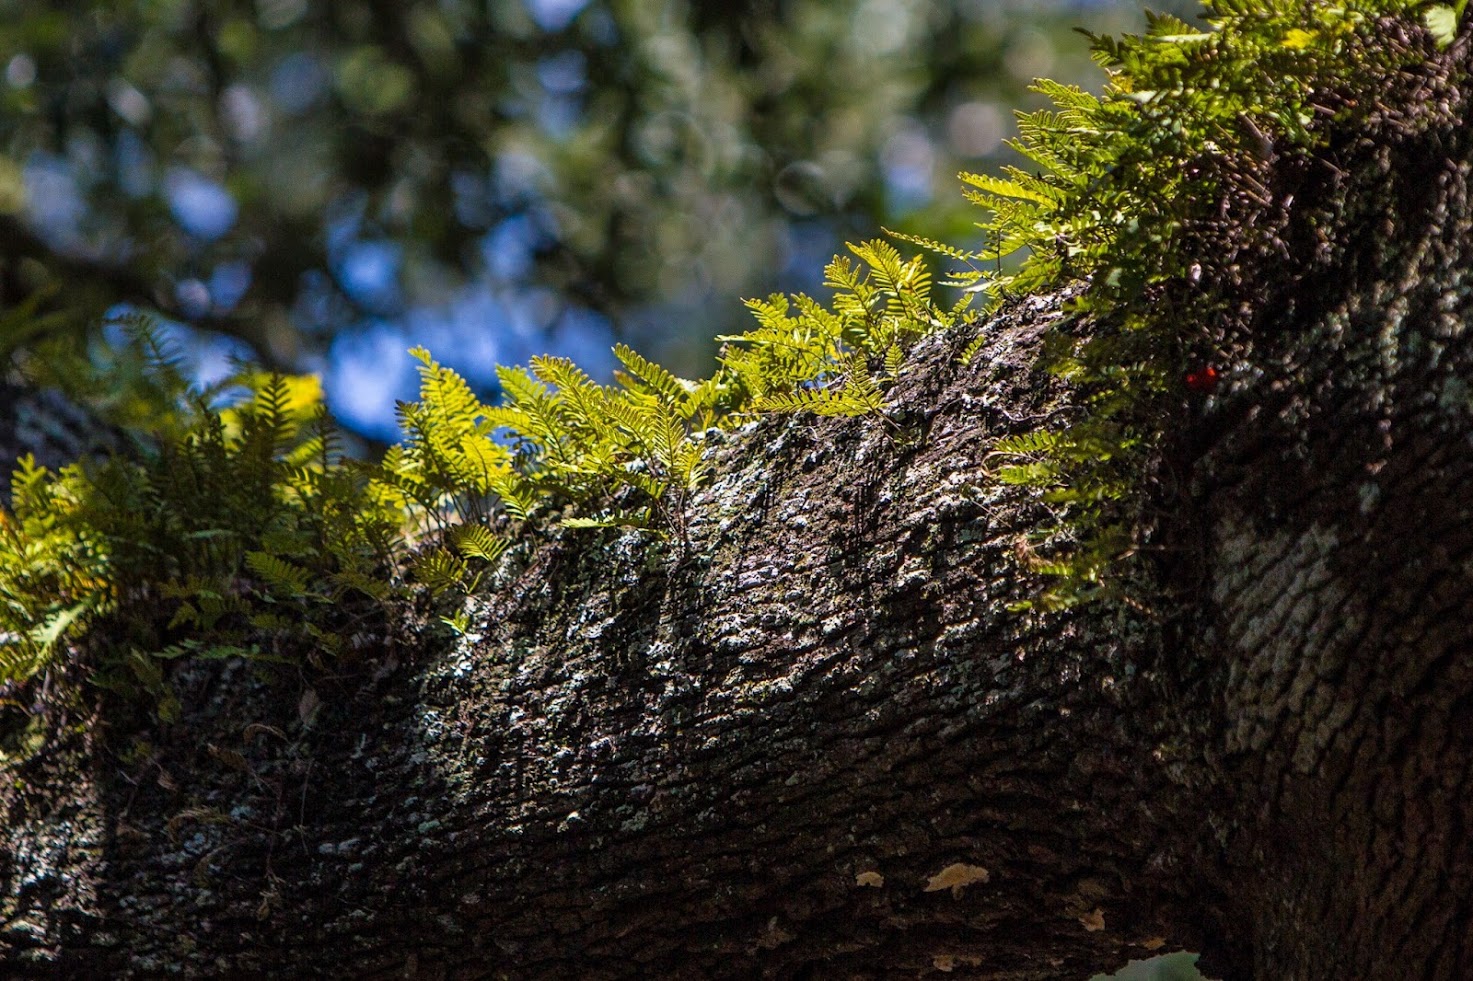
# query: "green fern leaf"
1029,474
281,576
1030,190
1038,441
479,542
652,376
439,571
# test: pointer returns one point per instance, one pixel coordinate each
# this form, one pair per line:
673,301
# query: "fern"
644,376
441,572
227,510
237,528
1037,441
1113,187
477,541
279,575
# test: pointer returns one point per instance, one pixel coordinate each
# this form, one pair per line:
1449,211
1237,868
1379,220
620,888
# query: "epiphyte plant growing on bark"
80,545
306,547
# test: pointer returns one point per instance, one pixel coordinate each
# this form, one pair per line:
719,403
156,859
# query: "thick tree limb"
812,740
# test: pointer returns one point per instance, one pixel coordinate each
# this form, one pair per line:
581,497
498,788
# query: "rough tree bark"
811,741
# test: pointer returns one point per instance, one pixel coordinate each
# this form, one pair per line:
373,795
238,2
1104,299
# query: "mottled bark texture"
811,741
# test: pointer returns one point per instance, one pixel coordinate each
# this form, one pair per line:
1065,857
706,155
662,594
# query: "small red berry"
1203,380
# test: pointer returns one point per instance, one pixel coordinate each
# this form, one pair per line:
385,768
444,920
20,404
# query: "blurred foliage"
280,170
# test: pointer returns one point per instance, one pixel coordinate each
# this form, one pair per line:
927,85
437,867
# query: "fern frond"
844,401
1029,474
281,576
581,394
932,245
479,542
439,571
653,377
20,660
1025,188
1037,441
642,518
